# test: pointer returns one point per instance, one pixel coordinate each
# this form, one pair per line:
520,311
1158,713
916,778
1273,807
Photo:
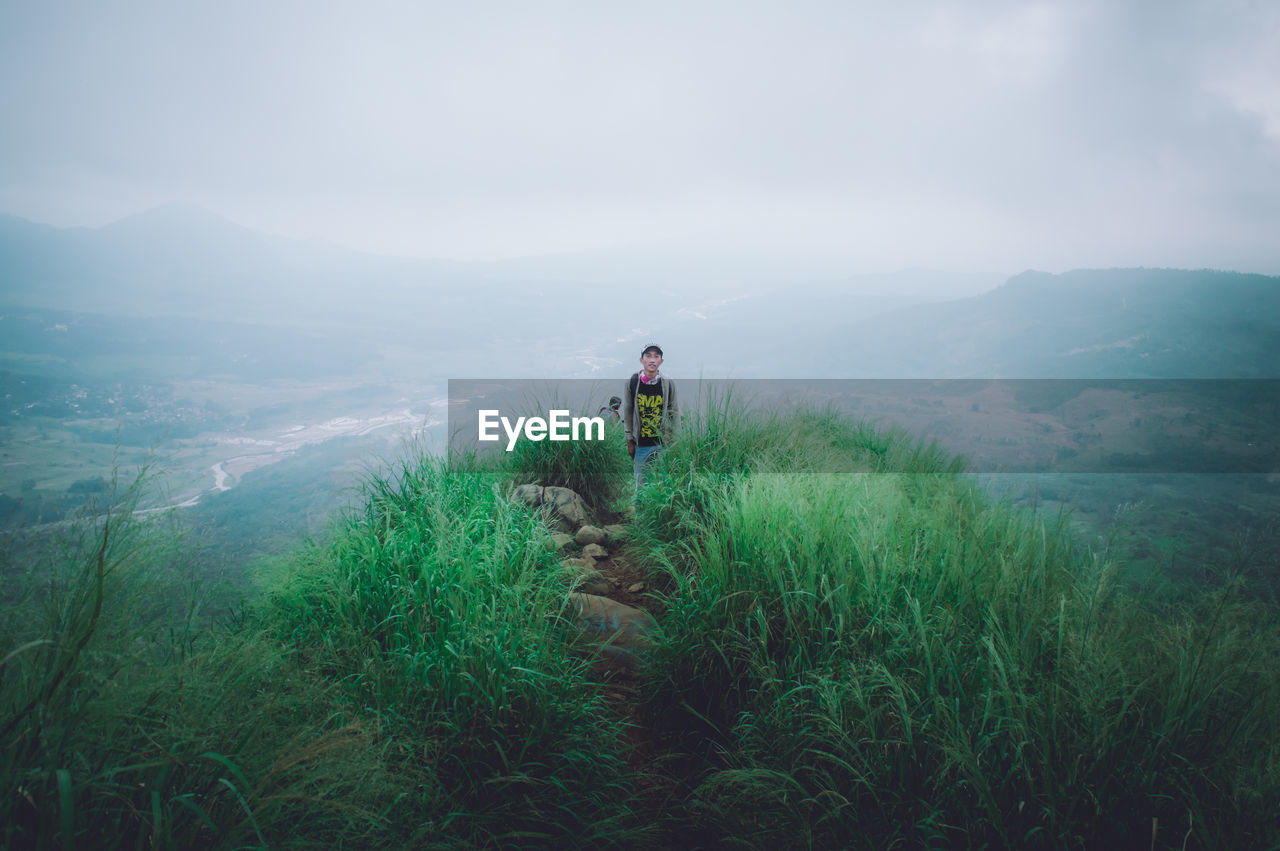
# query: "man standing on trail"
649,412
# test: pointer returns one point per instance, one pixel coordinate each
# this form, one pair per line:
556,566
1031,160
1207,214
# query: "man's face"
651,361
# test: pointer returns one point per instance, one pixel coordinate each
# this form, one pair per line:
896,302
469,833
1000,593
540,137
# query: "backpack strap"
635,382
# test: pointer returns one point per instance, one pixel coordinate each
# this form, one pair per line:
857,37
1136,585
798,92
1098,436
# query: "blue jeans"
643,455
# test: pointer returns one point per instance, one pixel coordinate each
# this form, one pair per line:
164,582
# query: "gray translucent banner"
998,425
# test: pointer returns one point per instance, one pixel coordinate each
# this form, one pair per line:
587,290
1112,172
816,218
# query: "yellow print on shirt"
650,410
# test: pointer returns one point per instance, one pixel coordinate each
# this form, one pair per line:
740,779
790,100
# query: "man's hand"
631,449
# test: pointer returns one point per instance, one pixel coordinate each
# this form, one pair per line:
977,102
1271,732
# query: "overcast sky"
962,136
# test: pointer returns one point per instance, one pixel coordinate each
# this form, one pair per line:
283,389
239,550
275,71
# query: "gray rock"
530,495
636,587
589,535
595,584
560,541
566,505
621,632
584,563
615,532
566,510
595,551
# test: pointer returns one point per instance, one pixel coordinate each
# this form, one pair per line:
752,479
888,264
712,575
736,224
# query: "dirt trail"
663,780
621,682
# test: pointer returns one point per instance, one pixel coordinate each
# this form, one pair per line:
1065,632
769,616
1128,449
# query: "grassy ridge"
882,658
438,607
410,684
850,657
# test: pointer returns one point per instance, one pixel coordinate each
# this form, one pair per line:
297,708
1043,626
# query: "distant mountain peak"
175,215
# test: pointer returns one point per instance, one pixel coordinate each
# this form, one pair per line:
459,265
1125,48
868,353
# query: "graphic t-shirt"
649,412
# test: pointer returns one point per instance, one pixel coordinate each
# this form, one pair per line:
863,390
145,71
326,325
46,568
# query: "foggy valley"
209,353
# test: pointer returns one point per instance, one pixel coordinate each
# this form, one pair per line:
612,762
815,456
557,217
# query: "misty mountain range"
1117,323
178,261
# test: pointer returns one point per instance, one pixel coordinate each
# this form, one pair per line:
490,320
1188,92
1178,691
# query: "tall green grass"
438,609
597,470
122,724
890,658
409,683
721,443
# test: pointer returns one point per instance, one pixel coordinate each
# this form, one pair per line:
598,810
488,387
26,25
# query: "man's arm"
675,410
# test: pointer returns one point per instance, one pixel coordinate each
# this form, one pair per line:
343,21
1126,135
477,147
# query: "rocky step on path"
609,589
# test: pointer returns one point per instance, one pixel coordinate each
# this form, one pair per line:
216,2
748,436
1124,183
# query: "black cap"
652,347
